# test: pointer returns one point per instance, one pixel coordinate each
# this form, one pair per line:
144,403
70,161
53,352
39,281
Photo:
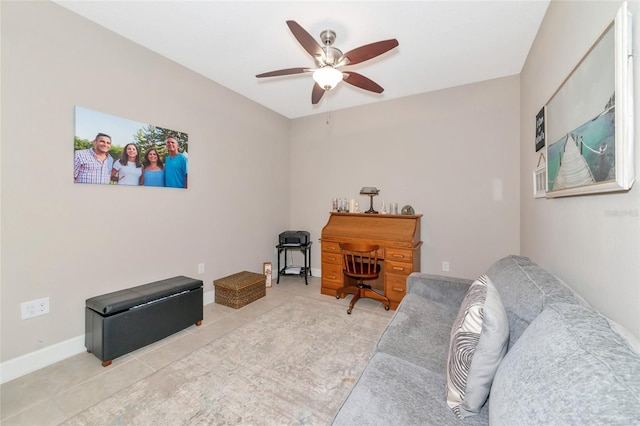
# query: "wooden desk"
398,237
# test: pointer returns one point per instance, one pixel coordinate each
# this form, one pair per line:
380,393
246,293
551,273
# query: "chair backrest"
360,260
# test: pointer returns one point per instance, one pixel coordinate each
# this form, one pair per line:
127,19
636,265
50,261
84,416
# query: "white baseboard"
25,364
208,297
28,363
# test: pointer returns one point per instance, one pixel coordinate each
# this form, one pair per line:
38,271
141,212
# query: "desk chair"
360,261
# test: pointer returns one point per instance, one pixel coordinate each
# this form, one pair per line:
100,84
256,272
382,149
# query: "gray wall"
71,241
581,239
451,154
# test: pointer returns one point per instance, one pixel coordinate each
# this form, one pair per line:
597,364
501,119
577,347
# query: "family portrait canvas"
111,150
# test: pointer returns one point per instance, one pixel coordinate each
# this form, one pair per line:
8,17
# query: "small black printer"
294,238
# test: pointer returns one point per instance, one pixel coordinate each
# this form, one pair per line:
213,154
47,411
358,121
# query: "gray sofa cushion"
392,391
526,289
419,333
568,367
479,339
447,291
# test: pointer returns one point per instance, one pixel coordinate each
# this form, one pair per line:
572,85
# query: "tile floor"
55,393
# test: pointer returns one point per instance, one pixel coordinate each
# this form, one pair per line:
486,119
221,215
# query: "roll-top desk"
398,237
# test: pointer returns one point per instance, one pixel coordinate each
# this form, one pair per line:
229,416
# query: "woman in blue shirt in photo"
153,172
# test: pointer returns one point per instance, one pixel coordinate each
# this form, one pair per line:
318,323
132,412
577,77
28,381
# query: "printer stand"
304,270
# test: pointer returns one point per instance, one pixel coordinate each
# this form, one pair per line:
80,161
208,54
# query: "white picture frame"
589,119
267,270
540,182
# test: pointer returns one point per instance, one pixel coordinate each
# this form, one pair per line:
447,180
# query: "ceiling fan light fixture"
327,77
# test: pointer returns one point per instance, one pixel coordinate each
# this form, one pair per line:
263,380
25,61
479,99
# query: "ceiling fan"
329,59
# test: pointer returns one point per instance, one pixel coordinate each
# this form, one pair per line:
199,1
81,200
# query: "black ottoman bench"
125,320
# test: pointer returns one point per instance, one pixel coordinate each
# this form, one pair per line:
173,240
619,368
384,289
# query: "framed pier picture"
589,119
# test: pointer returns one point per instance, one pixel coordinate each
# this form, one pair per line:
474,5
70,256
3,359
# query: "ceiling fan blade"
305,39
286,71
361,81
368,51
316,93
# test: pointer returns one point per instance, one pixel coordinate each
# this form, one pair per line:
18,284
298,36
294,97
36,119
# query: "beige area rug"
293,365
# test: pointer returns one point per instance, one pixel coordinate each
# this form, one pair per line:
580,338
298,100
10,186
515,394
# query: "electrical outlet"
34,308
445,266
201,268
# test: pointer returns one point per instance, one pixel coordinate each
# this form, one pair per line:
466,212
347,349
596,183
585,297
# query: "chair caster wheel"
349,311
386,308
338,296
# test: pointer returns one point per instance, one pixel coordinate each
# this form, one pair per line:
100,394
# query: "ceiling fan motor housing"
331,57
331,54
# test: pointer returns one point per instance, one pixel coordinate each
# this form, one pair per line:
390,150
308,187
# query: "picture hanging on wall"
539,182
589,120
540,130
111,150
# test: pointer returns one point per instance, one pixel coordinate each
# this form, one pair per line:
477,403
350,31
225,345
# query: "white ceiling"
442,43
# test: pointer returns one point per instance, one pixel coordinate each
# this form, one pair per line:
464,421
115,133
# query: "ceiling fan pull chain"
327,100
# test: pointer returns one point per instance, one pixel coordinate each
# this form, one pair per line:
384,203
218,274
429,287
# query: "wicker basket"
240,289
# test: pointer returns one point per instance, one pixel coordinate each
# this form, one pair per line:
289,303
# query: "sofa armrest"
448,291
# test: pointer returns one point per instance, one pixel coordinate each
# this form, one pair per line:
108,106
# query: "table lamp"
371,191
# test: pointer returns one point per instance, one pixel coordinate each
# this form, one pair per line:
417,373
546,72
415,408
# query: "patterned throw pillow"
479,339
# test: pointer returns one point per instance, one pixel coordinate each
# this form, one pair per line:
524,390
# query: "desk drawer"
395,286
331,247
399,255
400,268
331,273
334,258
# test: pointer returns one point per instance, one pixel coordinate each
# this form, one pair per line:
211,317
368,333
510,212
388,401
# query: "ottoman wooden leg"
199,323
106,363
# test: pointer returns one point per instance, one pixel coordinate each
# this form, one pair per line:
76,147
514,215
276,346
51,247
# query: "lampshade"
369,190
327,77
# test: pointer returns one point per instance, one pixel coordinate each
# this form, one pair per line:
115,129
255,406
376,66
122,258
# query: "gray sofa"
565,364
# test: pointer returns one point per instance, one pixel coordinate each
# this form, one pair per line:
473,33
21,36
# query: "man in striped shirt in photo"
94,165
